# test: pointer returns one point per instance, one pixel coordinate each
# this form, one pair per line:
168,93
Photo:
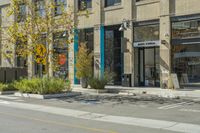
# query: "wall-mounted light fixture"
125,25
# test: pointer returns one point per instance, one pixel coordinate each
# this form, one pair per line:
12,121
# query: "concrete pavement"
172,115
167,93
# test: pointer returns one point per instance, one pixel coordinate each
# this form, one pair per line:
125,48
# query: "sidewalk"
167,93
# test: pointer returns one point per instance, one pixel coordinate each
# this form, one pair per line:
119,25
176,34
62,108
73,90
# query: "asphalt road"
15,117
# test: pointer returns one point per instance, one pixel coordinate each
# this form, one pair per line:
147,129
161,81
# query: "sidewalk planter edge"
7,92
47,96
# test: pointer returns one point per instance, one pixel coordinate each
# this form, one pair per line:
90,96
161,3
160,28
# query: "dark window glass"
22,13
60,53
40,8
112,2
186,29
87,36
113,56
84,4
146,33
60,6
186,62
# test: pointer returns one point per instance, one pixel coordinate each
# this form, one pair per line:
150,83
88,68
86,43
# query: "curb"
7,92
48,96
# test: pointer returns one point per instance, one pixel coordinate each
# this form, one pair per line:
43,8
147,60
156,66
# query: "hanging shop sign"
147,44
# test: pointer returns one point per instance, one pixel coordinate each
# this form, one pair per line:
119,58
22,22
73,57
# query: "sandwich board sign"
175,81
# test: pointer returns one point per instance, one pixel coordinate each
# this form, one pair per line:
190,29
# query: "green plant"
84,62
3,87
41,85
97,83
100,83
7,87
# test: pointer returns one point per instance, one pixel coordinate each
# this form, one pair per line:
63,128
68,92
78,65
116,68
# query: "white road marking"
9,97
4,102
190,110
174,105
149,123
19,100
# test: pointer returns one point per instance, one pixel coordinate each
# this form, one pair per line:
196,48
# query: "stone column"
165,47
127,42
98,39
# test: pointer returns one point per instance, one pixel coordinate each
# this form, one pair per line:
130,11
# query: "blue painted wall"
102,54
76,81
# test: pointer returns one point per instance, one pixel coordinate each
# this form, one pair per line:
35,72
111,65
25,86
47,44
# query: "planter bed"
7,92
47,96
95,91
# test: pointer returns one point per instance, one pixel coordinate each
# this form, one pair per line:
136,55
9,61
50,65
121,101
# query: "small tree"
84,64
32,31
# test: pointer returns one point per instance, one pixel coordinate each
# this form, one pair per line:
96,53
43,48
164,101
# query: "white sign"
146,44
175,81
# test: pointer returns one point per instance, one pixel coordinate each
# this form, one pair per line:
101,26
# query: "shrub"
7,87
97,83
100,83
3,87
84,62
41,85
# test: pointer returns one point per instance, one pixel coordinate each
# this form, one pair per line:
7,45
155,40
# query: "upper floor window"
112,2
84,4
186,29
40,8
60,6
21,16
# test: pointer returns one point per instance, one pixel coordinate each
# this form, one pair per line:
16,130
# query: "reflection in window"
112,2
186,62
186,29
60,6
84,4
60,55
113,56
87,36
146,33
40,8
21,13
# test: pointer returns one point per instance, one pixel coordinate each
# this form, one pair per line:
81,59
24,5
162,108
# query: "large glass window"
84,4
113,56
87,36
112,2
21,16
186,29
146,33
40,8
60,6
186,62
60,55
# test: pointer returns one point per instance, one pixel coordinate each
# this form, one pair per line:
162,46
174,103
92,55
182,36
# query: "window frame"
58,6
115,3
80,8
38,10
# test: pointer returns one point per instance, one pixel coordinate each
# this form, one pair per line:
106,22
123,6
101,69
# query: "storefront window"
87,36
186,62
146,33
113,56
60,55
186,29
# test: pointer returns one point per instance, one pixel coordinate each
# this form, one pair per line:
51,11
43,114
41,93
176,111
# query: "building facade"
142,40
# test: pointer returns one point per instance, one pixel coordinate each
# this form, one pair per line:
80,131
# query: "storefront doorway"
148,67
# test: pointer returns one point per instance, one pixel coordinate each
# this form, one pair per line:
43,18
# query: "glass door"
149,74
